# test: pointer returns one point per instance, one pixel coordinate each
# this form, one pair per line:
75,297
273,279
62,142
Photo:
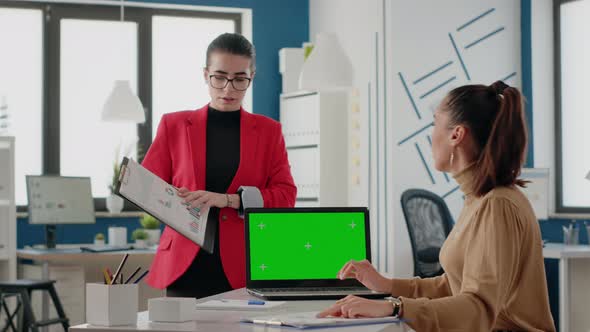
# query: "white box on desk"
110,305
171,309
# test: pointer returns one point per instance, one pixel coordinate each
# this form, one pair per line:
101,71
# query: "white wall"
358,26
416,36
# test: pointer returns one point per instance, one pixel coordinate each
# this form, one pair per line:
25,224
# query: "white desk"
228,321
72,268
572,317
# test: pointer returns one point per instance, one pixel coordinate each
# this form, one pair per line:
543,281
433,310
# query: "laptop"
296,253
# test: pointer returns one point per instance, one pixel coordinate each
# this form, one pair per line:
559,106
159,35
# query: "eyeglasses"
220,82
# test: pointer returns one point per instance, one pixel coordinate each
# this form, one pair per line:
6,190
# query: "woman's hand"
357,307
203,199
364,272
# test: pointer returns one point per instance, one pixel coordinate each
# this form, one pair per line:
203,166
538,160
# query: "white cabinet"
7,210
315,127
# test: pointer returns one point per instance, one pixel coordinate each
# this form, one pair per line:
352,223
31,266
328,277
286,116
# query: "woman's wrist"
385,285
232,201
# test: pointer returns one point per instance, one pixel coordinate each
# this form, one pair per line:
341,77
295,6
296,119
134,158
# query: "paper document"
160,199
239,305
307,320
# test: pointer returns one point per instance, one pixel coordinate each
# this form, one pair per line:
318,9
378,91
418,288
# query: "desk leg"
564,295
45,297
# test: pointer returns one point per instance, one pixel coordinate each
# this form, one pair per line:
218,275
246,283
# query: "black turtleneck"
223,149
205,276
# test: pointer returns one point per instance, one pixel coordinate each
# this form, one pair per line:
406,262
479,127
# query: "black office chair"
429,223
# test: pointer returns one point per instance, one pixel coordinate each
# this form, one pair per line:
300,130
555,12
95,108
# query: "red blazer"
177,155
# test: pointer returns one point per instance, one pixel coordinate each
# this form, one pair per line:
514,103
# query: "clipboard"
159,198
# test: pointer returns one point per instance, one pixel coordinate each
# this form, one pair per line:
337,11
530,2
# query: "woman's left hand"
203,199
356,307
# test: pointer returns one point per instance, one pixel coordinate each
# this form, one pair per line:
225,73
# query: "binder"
160,199
308,320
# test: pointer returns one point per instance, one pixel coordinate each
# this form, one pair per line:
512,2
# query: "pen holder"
110,305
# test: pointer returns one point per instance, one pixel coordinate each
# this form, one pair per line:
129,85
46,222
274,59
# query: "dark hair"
495,116
233,43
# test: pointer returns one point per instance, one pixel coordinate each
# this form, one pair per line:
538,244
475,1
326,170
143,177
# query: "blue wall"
28,235
276,24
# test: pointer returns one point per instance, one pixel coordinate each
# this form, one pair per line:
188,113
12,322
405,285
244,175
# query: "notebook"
296,253
308,320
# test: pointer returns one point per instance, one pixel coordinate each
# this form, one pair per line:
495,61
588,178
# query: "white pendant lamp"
123,105
327,66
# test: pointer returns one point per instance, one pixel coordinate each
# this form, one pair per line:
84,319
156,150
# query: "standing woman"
494,276
223,158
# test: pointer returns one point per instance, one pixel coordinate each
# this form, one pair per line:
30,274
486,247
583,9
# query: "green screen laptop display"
304,245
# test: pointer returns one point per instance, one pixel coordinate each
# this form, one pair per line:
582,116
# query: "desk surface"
228,321
560,250
75,253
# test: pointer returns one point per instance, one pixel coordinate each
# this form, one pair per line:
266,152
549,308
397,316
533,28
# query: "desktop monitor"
59,200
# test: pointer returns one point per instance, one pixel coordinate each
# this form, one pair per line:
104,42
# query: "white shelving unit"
315,127
7,210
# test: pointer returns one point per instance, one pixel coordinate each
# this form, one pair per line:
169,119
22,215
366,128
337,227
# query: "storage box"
110,305
171,309
290,63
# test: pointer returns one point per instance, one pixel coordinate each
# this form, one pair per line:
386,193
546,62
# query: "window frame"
52,14
559,204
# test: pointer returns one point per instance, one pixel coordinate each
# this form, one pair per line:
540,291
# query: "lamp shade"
123,105
327,66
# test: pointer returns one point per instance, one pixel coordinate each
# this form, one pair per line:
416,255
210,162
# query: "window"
178,45
87,59
59,63
21,90
572,28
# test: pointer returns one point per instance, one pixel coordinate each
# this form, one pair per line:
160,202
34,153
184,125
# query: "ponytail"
495,116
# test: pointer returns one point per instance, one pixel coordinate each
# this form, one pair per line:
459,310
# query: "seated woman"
495,275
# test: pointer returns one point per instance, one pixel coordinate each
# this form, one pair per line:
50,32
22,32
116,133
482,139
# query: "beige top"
494,271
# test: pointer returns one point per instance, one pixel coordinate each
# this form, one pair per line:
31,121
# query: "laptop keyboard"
313,289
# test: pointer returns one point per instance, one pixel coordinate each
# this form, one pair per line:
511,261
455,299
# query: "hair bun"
499,87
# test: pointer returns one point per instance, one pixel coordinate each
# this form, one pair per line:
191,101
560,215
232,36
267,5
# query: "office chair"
429,223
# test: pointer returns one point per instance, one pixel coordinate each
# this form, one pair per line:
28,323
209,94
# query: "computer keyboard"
314,289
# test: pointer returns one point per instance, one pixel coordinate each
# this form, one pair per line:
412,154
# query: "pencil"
133,274
141,277
107,277
120,268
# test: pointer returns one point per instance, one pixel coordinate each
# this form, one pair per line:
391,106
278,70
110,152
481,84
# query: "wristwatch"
397,305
